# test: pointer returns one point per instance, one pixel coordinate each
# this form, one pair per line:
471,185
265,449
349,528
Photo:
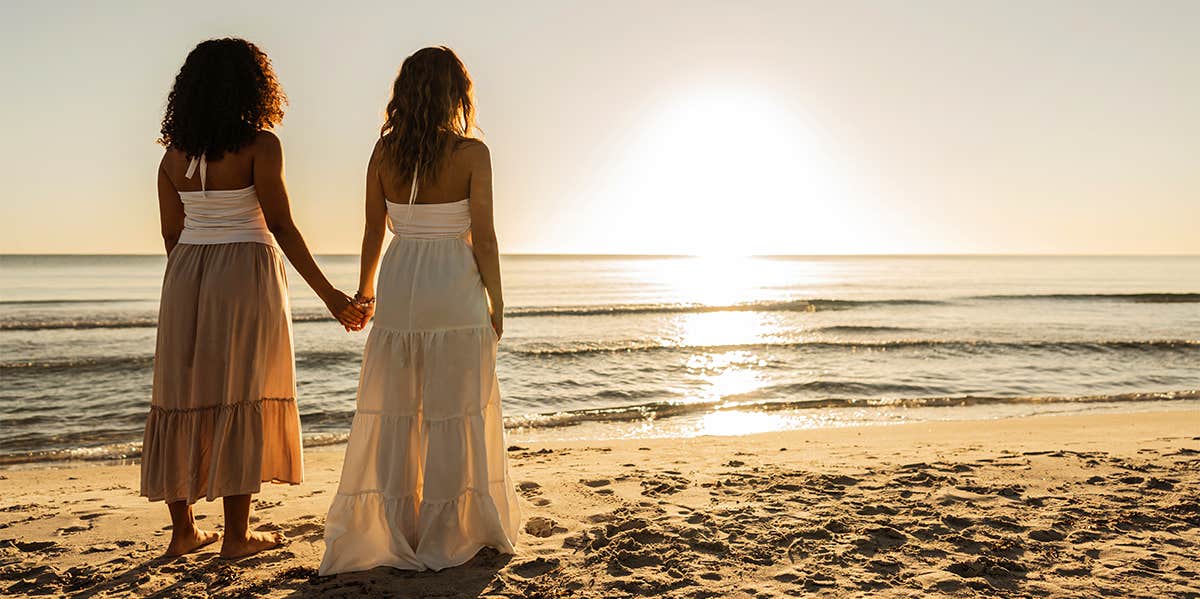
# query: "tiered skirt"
425,481
223,416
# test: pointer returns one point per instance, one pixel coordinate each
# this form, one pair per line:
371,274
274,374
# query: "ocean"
604,346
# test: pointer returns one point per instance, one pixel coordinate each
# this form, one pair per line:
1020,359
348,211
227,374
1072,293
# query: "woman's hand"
343,308
368,314
498,322
366,304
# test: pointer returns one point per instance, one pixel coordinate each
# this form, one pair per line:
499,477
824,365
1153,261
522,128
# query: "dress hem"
256,490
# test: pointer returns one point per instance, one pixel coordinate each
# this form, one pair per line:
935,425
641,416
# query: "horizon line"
670,255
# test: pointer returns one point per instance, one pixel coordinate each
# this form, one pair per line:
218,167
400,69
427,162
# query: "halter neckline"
191,170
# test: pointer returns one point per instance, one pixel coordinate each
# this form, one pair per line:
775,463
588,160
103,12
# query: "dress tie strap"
412,192
191,170
412,199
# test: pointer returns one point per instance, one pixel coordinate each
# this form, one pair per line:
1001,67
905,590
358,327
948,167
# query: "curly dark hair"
432,106
225,93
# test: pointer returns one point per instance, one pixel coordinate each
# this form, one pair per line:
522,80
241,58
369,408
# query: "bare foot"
189,542
257,541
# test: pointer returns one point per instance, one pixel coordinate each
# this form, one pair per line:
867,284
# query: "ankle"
182,531
237,537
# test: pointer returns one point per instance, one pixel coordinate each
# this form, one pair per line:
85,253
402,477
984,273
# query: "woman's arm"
483,230
375,228
272,196
170,209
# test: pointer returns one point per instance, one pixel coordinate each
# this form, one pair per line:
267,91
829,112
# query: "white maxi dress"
425,481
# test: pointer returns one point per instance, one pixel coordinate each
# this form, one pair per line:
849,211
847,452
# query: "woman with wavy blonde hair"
425,480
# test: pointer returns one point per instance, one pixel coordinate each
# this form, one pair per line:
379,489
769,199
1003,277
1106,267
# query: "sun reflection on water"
715,329
718,280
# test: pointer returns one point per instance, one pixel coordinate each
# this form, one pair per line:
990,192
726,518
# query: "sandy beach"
1081,505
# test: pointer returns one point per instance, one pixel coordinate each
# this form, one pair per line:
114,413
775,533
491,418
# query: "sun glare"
731,173
714,280
737,422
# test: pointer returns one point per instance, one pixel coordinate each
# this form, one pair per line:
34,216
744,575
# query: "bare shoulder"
474,153
169,158
377,152
172,164
266,143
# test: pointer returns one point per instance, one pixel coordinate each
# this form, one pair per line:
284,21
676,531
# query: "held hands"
366,305
344,308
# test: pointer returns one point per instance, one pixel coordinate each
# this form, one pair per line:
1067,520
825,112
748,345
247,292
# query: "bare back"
453,183
235,170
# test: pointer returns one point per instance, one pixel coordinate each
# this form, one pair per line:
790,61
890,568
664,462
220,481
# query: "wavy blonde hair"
432,106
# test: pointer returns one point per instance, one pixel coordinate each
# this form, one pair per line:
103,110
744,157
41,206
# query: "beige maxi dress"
223,415
425,482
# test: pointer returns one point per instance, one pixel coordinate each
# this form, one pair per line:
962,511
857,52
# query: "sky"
674,127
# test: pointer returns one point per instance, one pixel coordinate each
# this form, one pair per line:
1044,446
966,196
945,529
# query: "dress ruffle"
425,482
218,451
408,533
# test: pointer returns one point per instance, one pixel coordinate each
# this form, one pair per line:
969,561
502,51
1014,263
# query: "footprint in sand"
879,539
309,530
43,579
535,568
541,527
596,483
877,510
32,546
529,488
1159,484
986,566
532,491
20,507
266,505
1047,535
668,484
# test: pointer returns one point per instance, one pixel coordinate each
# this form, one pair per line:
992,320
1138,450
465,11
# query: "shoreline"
1051,504
690,420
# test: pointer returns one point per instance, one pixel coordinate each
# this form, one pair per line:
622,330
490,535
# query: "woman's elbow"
281,228
486,245
373,231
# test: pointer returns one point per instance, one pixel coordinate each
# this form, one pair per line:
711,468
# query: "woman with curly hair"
425,480
223,416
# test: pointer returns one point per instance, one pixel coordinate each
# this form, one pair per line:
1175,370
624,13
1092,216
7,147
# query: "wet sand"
1083,505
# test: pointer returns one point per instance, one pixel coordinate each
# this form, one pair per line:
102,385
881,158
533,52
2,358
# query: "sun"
730,172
